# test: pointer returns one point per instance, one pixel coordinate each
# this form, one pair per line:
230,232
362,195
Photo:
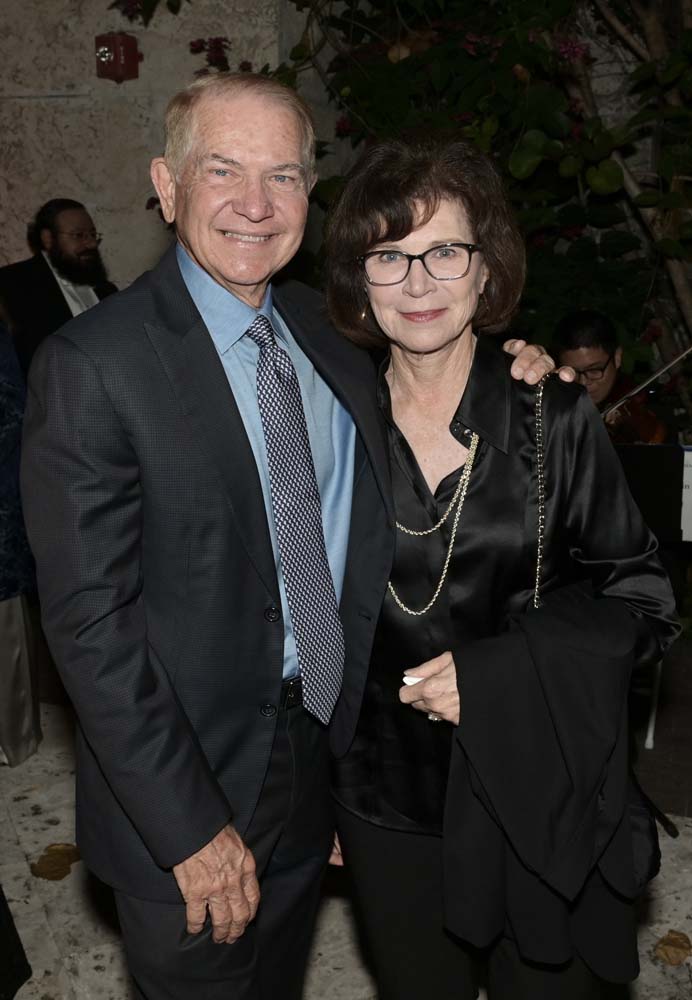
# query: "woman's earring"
364,314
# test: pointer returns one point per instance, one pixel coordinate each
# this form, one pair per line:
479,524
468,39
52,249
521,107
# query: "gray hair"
180,122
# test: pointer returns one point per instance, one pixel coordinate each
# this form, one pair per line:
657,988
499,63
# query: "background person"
64,277
20,727
586,340
488,797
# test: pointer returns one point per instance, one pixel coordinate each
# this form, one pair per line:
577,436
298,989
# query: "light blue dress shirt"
331,430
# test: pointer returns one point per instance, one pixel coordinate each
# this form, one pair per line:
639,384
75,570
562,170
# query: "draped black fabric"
397,771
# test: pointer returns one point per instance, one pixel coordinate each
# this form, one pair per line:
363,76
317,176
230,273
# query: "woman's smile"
423,317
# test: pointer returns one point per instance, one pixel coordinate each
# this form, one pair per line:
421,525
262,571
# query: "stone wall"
66,133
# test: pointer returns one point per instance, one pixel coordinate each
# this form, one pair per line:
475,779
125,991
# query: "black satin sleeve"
608,543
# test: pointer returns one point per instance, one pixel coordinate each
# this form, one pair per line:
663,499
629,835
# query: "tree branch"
687,15
621,30
652,220
652,29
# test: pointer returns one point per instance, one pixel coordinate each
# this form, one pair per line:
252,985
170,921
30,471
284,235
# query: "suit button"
272,613
267,711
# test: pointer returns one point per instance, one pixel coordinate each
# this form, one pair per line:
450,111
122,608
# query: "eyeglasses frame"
601,369
470,247
80,236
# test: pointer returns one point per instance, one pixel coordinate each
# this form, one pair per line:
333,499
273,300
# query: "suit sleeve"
607,537
82,503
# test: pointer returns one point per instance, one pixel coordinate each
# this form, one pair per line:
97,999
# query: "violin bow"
642,385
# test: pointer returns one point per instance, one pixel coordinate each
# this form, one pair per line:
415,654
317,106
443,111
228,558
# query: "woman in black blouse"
482,808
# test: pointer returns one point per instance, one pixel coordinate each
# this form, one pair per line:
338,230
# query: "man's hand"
438,692
221,878
532,362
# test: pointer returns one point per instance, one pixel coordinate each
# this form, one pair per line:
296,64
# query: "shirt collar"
224,314
484,407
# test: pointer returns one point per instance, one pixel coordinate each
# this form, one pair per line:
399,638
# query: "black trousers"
397,887
14,968
290,836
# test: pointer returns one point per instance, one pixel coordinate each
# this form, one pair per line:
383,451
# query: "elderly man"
64,277
207,500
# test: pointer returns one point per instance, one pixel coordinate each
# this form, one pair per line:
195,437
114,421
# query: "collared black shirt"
396,772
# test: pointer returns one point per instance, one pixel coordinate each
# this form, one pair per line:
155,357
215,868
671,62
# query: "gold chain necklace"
458,499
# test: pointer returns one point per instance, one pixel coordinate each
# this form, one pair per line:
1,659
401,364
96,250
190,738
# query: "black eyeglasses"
445,262
82,235
594,373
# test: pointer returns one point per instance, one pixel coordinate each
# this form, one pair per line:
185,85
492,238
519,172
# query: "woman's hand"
532,362
336,858
437,693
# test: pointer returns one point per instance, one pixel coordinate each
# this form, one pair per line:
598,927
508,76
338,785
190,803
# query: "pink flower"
538,240
653,332
572,51
343,127
131,9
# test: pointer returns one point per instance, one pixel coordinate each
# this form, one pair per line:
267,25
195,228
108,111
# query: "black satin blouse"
395,773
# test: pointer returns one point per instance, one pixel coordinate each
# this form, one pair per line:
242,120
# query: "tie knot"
262,332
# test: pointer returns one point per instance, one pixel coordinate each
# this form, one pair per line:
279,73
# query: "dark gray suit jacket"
156,573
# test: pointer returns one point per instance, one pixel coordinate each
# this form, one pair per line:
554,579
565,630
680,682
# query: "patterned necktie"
298,519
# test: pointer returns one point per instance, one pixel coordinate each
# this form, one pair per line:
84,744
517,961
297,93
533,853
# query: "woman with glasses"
481,808
586,340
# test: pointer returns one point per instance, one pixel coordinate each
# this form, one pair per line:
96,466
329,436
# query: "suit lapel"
332,356
53,304
196,374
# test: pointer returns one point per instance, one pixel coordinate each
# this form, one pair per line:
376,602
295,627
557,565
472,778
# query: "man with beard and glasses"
64,277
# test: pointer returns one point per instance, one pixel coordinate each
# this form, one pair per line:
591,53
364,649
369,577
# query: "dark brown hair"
382,200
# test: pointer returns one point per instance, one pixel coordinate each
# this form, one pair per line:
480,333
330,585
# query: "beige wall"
66,133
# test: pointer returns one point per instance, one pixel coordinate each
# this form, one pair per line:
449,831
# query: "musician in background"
587,341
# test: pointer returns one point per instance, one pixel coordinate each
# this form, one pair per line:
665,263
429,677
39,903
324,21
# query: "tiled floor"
71,936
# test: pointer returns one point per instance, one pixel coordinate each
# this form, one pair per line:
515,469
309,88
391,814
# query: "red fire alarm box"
117,56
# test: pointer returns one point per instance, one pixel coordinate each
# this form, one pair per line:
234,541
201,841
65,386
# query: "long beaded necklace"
458,500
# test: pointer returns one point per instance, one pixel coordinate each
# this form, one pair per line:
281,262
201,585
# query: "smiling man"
204,494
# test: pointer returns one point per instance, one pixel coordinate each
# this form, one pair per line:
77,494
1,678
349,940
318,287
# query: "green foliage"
503,73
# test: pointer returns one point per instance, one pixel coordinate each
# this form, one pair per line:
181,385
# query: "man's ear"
164,182
617,357
47,239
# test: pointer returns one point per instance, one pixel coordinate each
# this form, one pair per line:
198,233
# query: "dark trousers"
290,836
14,968
397,885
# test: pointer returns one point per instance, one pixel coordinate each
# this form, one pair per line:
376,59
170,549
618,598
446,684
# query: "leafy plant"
514,76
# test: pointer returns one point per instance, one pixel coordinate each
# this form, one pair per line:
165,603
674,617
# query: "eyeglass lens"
594,374
83,235
388,267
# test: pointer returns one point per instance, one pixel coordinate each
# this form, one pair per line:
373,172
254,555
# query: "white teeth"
244,237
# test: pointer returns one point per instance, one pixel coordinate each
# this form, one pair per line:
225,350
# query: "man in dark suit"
195,523
64,277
